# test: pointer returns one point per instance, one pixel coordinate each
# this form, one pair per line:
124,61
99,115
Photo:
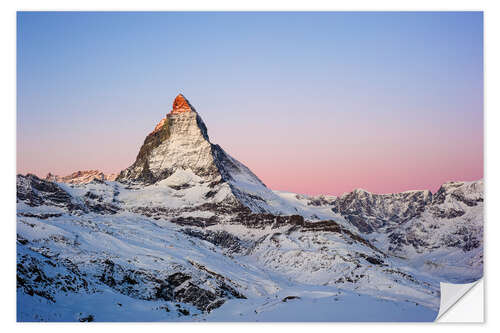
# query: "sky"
314,103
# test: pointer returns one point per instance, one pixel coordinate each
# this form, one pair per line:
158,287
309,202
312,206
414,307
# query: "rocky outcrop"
45,275
369,212
36,192
222,239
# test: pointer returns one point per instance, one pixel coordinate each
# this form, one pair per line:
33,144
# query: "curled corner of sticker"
451,294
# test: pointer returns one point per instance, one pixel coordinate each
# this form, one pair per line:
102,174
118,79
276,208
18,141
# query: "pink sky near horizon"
315,158
286,171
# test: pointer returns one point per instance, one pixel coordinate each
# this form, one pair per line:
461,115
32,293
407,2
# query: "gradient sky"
311,102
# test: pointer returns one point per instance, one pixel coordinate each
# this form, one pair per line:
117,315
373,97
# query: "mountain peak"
179,145
181,105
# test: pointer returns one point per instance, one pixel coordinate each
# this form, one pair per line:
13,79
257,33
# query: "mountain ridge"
81,177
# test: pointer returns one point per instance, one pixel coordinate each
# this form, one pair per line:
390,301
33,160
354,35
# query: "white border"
8,100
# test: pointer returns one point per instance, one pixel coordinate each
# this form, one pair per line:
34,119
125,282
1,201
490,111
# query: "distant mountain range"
81,177
189,233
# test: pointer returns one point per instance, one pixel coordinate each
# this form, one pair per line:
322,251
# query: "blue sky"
311,102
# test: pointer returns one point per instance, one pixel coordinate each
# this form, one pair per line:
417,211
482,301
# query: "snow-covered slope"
84,242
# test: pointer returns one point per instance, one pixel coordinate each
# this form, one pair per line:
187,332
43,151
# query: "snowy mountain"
441,233
189,233
81,177
179,147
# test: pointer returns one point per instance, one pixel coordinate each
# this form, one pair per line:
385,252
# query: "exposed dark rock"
34,279
102,208
184,312
463,238
370,212
360,223
192,294
35,192
447,213
195,221
152,141
210,194
372,260
289,298
177,279
22,240
40,216
180,187
319,201
88,319
332,226
222,239
93,196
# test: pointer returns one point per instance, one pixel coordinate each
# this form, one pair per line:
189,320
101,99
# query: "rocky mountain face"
440,232
180,142
81,177
370,212
189,233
